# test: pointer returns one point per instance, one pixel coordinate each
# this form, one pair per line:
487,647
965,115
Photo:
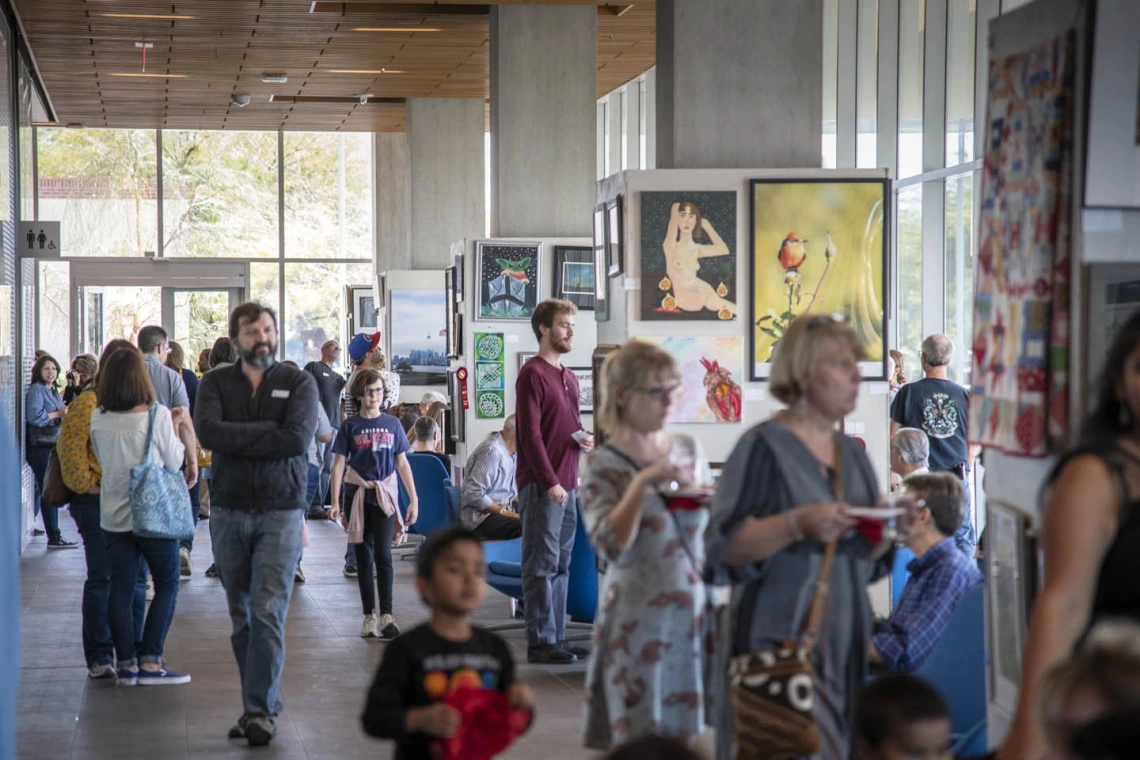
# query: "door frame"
172,275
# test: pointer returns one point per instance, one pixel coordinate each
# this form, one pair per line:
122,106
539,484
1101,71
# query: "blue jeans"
125,552
38,460
98,646
547,540
317,500
257,554
965,539
376,547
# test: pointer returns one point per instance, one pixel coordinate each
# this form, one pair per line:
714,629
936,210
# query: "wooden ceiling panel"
229,44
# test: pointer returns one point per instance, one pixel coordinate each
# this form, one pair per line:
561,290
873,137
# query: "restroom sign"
38,240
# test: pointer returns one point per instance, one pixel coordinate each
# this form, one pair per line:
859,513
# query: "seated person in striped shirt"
487,501
940,576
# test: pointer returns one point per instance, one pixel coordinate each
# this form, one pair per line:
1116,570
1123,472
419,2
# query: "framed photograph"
1007,576
417,336
711,369
574,278
1114,296
458,415
585,377
449,320
525,356
363,309
507,279
601,267
614,237
688,256
597,359
819,247
1114,108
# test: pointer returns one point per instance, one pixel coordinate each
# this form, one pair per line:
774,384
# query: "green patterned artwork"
490,400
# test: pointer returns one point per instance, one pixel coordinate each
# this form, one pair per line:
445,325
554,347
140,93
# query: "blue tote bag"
159,499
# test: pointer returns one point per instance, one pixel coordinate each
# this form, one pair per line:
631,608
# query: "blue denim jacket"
41,400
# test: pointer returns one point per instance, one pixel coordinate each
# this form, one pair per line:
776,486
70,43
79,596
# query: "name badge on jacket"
279,393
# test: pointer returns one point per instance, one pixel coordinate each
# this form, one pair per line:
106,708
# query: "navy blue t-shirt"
941,409
371,446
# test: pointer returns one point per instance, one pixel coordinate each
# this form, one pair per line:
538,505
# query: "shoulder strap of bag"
149,434
823,585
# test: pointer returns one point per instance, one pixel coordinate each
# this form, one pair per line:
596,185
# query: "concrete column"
390,189
445,176
543,119
739,83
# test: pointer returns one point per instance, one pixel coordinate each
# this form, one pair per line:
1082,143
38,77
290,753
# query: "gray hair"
912,446
151,338
509,424
937,350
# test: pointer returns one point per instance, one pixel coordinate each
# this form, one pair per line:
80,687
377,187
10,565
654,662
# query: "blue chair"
957,669
899,574
452,494
429,475
582,594
504,574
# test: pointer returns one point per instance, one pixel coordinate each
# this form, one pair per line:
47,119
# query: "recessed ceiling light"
394,29
364,71
274,78
148,76
160,16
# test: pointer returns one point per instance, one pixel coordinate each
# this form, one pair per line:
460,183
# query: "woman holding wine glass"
783,496
646,519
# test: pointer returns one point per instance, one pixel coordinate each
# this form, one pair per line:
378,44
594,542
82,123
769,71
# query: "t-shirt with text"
941,409
371,445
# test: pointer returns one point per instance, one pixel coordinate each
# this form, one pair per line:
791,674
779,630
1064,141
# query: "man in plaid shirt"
940,576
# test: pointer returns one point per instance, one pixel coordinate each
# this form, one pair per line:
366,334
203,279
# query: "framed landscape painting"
688,256
819,247
507,279
418,336
711,369
574,276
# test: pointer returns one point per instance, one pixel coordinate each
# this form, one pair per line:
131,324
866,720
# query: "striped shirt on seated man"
487,503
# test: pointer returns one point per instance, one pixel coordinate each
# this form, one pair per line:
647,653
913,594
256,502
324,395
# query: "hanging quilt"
1019,397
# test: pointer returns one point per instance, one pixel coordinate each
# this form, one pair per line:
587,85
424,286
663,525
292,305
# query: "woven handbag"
159,499
773,690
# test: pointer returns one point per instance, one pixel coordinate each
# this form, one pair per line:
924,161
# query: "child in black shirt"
423,666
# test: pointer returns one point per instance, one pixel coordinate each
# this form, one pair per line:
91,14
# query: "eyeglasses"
373,391
660,392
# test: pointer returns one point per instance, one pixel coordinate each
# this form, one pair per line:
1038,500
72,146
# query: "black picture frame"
459,414
507,297
601,266
615,237
578,290
449,321
459,281
871,371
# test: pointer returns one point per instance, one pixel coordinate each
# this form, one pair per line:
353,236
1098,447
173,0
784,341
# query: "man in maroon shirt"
550,441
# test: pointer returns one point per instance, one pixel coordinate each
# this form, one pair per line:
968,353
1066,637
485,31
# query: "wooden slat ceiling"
229,44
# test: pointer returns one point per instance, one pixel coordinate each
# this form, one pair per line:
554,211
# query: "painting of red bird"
793,252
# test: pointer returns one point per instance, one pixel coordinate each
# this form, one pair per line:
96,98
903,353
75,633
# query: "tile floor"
327,671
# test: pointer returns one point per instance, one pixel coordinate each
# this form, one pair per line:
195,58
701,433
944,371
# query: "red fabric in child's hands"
687,505
872,530
487,727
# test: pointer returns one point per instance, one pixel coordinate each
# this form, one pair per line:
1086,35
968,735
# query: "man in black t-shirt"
940,408
329,386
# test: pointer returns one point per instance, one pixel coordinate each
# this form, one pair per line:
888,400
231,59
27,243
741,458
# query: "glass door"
198,317
116,311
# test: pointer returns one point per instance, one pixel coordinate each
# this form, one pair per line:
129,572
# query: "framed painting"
460,283
508,276
597,359
711,368
585,377
574,276
1007,573
688,256
364,309
459,414
601,267
449,321
417,336
819,247
490,394
614,238
525,356
1114,109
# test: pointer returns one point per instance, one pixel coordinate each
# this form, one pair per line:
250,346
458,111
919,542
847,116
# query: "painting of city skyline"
417,336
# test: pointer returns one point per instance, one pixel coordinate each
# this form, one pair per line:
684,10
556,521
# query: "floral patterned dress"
646,668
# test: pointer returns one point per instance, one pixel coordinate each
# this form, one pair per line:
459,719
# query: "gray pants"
547,539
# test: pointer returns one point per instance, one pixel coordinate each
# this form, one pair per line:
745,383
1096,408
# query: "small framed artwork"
574,279
459,415
614,237
449,310
459,281
597,359
585,377
601,267
508,277
525,356
1007,576
363,309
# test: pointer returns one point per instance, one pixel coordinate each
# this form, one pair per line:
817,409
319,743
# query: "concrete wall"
543,119
739,83
389,180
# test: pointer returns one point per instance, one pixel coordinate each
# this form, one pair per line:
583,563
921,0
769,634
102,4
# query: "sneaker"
161,677
349,572
298,574
549,654
184,557
388,627
371,627
203,516
149,590
126,677
63,543
577,651
238,730
212,570
100,671
37,531
319,514
259,731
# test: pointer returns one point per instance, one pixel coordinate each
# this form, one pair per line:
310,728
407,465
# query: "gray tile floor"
327,671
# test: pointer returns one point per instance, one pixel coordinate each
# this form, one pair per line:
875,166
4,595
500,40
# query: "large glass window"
624,128
960,272
867,85
219,193
315,304
641,110
830,81
912,27
328,195
55,309
100,185
960,41
909,272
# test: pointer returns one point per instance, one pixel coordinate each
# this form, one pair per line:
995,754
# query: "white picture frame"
1006,574
363,309
1112,166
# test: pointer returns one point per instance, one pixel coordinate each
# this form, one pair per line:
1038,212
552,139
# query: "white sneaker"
149,590
184,559
371,627
388,627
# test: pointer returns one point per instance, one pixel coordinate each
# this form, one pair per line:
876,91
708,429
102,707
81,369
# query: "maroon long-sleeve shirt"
546,416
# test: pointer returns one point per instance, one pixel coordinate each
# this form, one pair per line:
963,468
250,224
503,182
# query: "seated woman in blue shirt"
43,413
940,576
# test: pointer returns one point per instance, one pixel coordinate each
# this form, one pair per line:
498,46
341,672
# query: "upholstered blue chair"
430,477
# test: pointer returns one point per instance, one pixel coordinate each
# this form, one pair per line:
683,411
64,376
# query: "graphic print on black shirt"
941,409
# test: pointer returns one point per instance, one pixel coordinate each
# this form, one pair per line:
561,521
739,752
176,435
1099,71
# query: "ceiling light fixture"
395,29
274,78
364,71
159,16
147,76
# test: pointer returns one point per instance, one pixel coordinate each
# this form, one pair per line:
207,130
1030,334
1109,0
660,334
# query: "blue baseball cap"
361,344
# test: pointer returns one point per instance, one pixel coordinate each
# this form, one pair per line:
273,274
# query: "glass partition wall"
285,208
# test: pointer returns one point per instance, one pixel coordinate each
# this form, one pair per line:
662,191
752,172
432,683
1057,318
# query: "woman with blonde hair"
782,498
645,674
81,377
